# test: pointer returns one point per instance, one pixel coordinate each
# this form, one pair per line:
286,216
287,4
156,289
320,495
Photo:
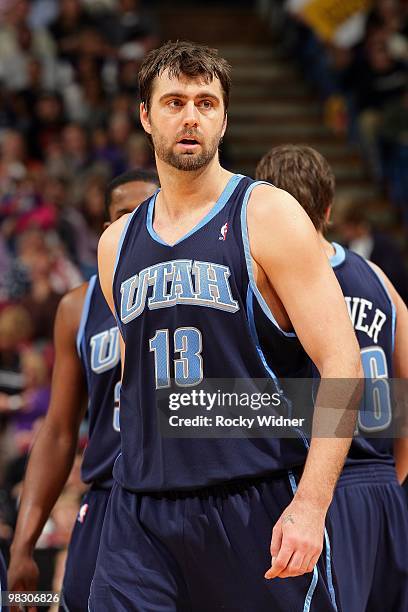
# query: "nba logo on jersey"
82,513
223,232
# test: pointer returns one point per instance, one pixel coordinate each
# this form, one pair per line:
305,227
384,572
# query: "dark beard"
188,162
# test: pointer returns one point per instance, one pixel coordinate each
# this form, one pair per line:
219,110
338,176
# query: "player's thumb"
276,540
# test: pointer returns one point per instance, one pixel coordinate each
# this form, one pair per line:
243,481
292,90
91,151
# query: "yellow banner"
326,16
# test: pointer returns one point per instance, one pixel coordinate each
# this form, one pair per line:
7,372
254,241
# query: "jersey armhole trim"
393,308
247,250
122,238
85,313
118,253
254,334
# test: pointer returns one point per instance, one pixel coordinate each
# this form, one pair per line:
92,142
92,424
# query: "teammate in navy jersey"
86,374
208,280
370,561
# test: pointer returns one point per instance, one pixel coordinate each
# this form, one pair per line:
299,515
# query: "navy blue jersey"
98,347
188,312
372,314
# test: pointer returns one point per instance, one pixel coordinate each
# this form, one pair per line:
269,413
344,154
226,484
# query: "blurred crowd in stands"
68,108
360,67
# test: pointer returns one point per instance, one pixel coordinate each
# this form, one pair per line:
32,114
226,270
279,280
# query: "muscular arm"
400,366
54,449
293,265
107,250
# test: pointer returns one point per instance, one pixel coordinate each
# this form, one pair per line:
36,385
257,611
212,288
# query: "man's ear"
224,125
106,225
144,118
328,214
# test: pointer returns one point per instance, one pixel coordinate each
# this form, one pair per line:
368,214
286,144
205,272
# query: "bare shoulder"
110,238
275,207
274,213
107,252
70,308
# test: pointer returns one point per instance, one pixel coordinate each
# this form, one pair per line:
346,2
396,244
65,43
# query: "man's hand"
297,540
23,572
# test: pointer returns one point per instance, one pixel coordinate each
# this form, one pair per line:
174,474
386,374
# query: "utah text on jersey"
181,281
105,350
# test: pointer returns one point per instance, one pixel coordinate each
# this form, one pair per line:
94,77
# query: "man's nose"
190,114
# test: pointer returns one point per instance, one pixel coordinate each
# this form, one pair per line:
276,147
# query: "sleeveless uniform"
98,348
189,522
371,560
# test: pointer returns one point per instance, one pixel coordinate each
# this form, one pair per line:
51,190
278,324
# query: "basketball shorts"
83,550
370,540
201,551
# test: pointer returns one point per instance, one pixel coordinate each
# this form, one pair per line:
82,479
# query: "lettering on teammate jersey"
363,317
182,281
105,350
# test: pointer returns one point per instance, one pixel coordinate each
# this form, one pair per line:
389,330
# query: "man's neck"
183,192
327,246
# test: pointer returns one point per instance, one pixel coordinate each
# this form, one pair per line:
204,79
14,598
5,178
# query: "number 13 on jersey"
188,367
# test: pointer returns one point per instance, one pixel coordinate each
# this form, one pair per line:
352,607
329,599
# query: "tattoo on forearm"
288,519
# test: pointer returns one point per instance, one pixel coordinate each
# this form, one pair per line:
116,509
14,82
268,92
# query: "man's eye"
174,103
207,104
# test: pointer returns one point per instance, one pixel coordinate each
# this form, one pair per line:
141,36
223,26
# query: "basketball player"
372,560
86,366
211,278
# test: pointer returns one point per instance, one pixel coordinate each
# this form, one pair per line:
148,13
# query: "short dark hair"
187,58
305,174
144,176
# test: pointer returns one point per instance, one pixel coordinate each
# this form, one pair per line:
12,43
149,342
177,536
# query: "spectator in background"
124,103
119,130
139,153
13,160
42,13
23,412
5,266
25,208
25,99
26,408
128,69
15,334
73,230
67,28
47,122
79,161
357,232
131,27
394,144
77,156
69,219
18,43
42,300
93,211
63,275
376,80
392,15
